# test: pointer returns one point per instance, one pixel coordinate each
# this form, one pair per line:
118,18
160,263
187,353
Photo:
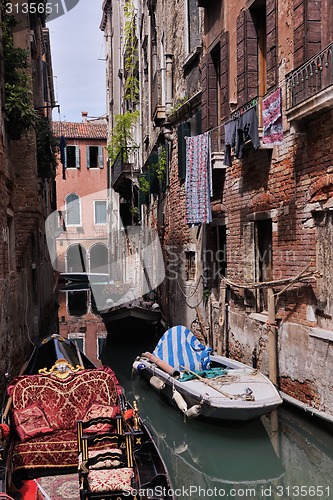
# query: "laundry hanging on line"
198,179
272,118
238,131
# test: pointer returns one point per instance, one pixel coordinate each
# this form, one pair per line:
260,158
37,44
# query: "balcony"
125,171
310,86
157,107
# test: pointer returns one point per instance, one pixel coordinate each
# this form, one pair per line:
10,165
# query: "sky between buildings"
77,47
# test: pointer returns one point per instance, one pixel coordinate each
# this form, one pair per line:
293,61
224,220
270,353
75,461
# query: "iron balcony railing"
126,163
311,78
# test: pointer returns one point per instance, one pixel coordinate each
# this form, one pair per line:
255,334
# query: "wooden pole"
221,336
201,323
272,337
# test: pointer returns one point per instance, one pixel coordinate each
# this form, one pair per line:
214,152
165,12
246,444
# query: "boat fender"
139,367
194,411
161,364
179,400
157,382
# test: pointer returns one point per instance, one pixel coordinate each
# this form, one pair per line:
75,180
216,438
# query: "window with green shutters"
94,157
72,157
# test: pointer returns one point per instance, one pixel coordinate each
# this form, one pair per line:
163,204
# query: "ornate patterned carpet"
59,487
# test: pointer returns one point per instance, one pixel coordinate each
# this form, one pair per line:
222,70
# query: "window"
100,211
95,157
73,210
215,259
101,341
77,303
259,16
78,339
99,259
263,259
76,259
72,157
192,26
190,265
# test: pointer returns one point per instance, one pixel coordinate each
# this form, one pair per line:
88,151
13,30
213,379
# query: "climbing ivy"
122,133
131,84
20,113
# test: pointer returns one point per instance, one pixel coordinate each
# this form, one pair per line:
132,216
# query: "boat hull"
229,401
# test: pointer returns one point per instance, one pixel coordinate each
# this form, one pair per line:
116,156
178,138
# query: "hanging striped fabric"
180,348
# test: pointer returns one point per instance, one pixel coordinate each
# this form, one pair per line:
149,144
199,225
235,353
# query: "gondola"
69,432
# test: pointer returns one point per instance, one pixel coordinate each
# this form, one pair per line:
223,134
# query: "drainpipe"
168,92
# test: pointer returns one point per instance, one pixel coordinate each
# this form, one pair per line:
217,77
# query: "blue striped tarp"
180,348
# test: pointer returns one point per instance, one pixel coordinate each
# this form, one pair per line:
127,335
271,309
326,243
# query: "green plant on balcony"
161,167
131,85
19,109
144,185
122,134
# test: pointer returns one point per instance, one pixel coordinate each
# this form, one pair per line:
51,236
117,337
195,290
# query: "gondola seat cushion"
49,437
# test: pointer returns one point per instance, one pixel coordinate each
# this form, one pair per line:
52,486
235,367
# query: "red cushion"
99,410
64,401
110,480
31,422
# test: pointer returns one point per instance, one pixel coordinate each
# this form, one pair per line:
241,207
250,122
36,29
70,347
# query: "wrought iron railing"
125,163
311,78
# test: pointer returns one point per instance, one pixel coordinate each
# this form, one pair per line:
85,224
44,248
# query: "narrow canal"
216,461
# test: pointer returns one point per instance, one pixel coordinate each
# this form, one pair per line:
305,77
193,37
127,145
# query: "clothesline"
233,115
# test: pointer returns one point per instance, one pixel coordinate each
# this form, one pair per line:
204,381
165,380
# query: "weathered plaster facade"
27,195
272,207
84,174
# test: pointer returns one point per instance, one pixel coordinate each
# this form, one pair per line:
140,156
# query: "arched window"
98,264
99,259
76,262
73,210
76,259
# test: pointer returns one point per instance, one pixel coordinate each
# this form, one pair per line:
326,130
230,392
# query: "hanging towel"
246,129
272,118
198,180
181,349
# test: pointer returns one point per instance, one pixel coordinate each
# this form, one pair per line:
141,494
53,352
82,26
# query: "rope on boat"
247,395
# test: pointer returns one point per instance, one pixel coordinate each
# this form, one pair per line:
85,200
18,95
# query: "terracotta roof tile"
73,130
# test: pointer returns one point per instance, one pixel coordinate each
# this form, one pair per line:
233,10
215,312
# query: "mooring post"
272,338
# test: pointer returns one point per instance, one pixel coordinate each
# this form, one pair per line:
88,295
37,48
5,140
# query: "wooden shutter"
271,44
204,94
77,156
183,131
307,31
88,156
100,157
224,55
247,58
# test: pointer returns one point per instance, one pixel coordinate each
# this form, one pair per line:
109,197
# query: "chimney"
84,116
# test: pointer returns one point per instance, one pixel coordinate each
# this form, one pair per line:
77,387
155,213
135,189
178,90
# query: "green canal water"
212,461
